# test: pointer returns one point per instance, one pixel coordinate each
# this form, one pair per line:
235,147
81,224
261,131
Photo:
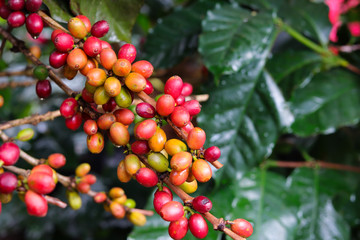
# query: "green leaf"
330,100
120,14
59,10
172,39
235,39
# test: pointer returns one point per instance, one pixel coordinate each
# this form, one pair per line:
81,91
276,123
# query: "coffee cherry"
132,163
178,177
128,52
34,25
100,197
119,134
202,204
77,28
105,121
74,122
124,99
42,168
96,77
136,218
57,59
74,199
90,64
69,73
122,174
198,226
33,5
57,160
146,177
180,100
201,170
112,86
145,110
0,208
158,162
92,46
149,87
82,169
40,72
43,89
187,89
180,116
143,67
242,228
145,130
9,153
89,179
174,146
100,96
100,29
41,182
193,107
16,5
55,33
188,127
135,82
87,96
181,161
110,105
173,86
107,58
172,211
157,141
105,44
36,204
5,12
16,19
196,138
8,182
1,101
189,187
83,187
125,116
117,210
212,154
86,22
160,199
165,189
140,147
76,59
165,105
69,107
178,229
64,42
95,143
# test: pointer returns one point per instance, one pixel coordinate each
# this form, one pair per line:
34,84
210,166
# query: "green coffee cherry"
25,134
74,199
40,72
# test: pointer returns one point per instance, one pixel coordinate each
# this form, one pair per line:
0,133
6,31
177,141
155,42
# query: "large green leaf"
172,39
120,14
329,100
234,39
59,10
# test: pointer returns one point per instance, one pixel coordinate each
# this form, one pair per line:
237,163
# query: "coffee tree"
242,115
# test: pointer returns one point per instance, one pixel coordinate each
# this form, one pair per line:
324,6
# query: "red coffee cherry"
83,187
140,147
33,5
145,110
110,105
69,107
212,154
188,127
107,58
86,22
34,25
92,46
242,228
42,168
95,143
0,207
57,160
41,182
196,138
193,107
202,204
187,89
100,29
105,44
128,52
64,42
178,229
125,116
117,210
119,134
198,226
180,100
76,59
5,12
165,105
89,179
100,197
180,116
201,170
172,211
16,19
57,59
105,121
87,96
16,5
36,204
74,122
43,89
9,153
143,67
165,189
179,177
149,87
8,182
90,127
146,177
55,33
145,129
160,199
173,86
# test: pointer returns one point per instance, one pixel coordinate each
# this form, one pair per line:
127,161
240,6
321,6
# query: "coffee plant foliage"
271,99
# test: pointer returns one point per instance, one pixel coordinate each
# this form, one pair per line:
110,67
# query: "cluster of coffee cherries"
15,11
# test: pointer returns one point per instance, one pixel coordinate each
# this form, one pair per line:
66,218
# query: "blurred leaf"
261,4
120,14
59,10
330,100
234,40
172,39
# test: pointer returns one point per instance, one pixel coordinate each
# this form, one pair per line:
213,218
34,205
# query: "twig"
348,48
25,72
55,201
34,119
13,84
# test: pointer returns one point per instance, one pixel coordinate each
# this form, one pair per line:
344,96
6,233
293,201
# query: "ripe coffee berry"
16,5
160,199
165,105
90,127
198,226
172,211
180,116
77,28
36,204
105,121
119,134
149,87
69,107
41,182
95,143
193,107
16,19
100,29
5,12
140,147
33,5
92,46
145,110
128,52
34,25
201,170
76,59
9,153
202,204
212,154
180,100
196,138
43,89
173,86
74,122
143,67
107,57
86,22
125,116
242,228
8,182
64,42
56,160
145,129
57,59
146,177
187,89
178,229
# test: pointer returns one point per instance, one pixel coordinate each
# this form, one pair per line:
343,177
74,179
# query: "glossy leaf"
59,10
120,14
